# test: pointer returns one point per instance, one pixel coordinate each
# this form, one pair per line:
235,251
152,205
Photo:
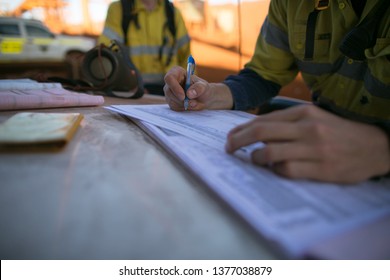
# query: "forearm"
222,97
249,90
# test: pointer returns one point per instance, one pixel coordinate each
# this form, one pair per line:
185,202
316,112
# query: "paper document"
207,127
294,215
26,84
28,94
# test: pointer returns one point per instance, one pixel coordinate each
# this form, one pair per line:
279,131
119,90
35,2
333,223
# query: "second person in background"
155,33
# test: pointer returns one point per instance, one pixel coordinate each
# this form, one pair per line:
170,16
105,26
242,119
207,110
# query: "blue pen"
190,71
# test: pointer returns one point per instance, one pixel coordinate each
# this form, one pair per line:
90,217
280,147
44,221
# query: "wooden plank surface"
112,193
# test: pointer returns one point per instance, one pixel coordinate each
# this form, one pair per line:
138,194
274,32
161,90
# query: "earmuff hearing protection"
108,70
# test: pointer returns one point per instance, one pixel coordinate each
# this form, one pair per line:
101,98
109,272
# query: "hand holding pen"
190,72
179,86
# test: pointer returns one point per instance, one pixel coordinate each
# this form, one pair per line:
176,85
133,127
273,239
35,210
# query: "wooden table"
113,193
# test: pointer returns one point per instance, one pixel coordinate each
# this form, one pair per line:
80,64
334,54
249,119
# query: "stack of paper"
294,215
29,94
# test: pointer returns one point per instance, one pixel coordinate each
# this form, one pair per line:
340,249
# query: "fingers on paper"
293,114
283,152
300,170
255,131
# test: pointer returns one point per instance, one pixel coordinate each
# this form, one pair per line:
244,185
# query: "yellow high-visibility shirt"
145,43
356,89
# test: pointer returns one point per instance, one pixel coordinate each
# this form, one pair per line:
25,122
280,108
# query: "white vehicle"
27,40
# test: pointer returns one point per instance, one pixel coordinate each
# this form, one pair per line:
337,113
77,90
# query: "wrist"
222,98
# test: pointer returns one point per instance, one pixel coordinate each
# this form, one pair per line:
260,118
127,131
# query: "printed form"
293,214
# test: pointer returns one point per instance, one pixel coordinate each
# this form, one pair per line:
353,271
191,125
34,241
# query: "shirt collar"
139,6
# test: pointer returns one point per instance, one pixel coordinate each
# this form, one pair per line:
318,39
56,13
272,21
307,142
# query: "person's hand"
306,142
202,95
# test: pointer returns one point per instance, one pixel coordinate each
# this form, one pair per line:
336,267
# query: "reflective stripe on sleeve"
109,33
183,40
275,36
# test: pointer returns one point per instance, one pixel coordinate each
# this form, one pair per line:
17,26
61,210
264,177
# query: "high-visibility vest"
146,50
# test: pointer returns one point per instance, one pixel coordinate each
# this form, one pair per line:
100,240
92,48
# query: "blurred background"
223,33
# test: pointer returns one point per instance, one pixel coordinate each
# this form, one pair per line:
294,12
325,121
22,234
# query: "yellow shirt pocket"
321,44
